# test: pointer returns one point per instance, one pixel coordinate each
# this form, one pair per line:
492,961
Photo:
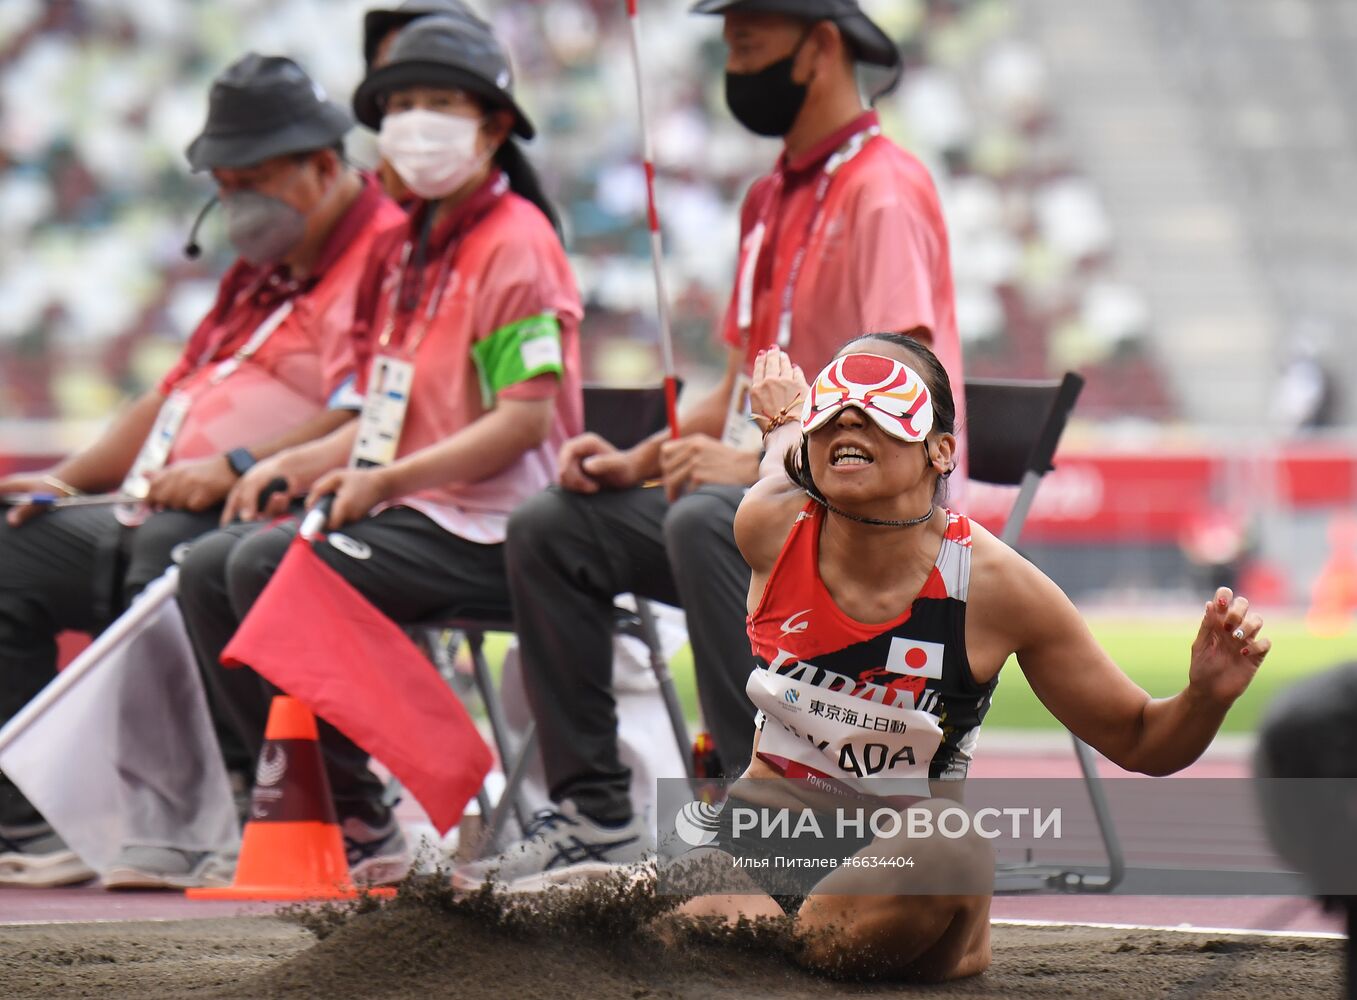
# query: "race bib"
383,417
740,431
155,450
864,742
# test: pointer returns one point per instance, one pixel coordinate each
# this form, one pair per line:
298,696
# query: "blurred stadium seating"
99,97
1156,194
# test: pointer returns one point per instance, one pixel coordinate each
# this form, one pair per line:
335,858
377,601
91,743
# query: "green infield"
1153,651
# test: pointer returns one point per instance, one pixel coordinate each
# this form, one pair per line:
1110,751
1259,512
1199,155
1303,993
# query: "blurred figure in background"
845,235
268,367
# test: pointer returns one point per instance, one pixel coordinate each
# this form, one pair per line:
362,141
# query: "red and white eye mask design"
889,392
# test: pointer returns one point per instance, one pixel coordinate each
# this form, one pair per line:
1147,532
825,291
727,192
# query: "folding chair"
1014,428
624,417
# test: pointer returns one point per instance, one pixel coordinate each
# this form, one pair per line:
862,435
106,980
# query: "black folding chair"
624,417
1014,428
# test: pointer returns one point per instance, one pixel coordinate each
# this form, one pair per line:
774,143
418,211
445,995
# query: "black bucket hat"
261,107
377,24
869,43
443,51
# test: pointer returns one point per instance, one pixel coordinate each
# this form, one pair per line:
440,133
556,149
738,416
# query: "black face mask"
767,102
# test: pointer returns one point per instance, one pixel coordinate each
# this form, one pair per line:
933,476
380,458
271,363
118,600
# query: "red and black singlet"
883,708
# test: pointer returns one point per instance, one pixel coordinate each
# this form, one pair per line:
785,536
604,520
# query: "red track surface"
998,758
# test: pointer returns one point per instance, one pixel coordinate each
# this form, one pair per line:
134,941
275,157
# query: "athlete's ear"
942,454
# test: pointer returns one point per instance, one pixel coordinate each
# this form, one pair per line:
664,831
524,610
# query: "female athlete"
879,621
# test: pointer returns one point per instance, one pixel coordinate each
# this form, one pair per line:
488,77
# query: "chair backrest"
1012,430
1013,427
624,416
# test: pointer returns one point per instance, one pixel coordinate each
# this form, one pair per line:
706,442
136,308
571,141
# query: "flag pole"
128,624
653,217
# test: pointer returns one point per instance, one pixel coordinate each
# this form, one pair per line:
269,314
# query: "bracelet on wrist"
62,486
783,416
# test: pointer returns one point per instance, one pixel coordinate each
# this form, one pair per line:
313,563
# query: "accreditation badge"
155,450
390,382
740,432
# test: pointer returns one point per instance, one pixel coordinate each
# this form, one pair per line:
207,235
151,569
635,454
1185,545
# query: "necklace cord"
878,521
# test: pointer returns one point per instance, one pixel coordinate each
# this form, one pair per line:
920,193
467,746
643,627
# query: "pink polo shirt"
506,265
301,365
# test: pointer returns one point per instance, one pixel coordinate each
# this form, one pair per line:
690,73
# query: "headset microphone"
191,249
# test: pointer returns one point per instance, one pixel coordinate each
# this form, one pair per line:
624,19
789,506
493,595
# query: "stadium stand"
100,96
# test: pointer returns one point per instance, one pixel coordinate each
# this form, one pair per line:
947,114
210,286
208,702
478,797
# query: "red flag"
315,637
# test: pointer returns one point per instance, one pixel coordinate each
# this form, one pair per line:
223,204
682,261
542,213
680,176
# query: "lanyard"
257,340
266,329
854,145
435,299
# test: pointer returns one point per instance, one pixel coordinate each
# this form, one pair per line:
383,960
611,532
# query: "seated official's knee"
202,570
539,524
251,565
695,517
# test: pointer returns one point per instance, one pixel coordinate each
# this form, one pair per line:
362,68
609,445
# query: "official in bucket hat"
868,42
379,24
261,107
443,50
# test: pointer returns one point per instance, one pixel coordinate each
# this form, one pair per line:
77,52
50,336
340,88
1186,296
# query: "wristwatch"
240,460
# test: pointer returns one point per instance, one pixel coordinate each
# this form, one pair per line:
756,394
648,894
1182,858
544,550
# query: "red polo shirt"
864,217
306,359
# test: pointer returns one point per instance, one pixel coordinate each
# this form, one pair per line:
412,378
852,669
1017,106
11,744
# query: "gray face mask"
263,229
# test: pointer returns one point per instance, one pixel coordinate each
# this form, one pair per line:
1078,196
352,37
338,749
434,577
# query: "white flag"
119,749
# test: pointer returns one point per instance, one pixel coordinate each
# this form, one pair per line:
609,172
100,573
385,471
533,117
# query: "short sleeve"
527,300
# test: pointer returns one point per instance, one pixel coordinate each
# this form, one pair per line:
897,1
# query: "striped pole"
656,249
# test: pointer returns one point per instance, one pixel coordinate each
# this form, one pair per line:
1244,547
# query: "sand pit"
427,947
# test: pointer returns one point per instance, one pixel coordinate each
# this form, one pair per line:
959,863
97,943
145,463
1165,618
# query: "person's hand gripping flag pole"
653,217
315,637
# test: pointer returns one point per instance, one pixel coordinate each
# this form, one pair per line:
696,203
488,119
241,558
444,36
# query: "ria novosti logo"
697,823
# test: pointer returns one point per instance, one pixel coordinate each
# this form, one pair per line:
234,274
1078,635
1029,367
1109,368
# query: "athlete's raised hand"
777,388
1229,648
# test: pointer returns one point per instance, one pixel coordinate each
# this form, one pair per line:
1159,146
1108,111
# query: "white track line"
1179,929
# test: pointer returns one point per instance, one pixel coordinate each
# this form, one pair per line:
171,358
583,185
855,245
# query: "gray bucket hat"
869,43
377,24
261,107
443,51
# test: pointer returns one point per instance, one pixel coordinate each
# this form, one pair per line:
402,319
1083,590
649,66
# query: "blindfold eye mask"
891,393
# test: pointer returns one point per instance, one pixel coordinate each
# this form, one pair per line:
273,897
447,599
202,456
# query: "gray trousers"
415,571
76,569
569,555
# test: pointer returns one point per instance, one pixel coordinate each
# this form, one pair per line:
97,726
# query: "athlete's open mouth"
848,454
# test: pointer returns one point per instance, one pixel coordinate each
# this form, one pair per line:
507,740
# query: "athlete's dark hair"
930,369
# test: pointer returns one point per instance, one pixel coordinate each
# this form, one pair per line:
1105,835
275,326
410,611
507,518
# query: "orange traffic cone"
292,848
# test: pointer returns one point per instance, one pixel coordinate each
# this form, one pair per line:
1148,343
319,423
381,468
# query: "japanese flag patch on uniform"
915,658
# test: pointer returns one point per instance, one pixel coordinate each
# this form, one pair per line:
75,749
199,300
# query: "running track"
1001,756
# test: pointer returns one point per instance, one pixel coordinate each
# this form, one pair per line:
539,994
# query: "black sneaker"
377,852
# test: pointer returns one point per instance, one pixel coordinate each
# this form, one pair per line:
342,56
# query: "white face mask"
434,153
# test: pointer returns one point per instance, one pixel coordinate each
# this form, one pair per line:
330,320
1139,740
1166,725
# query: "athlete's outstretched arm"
1020,609
767,512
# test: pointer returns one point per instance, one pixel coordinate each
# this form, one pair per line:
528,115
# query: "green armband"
517,352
